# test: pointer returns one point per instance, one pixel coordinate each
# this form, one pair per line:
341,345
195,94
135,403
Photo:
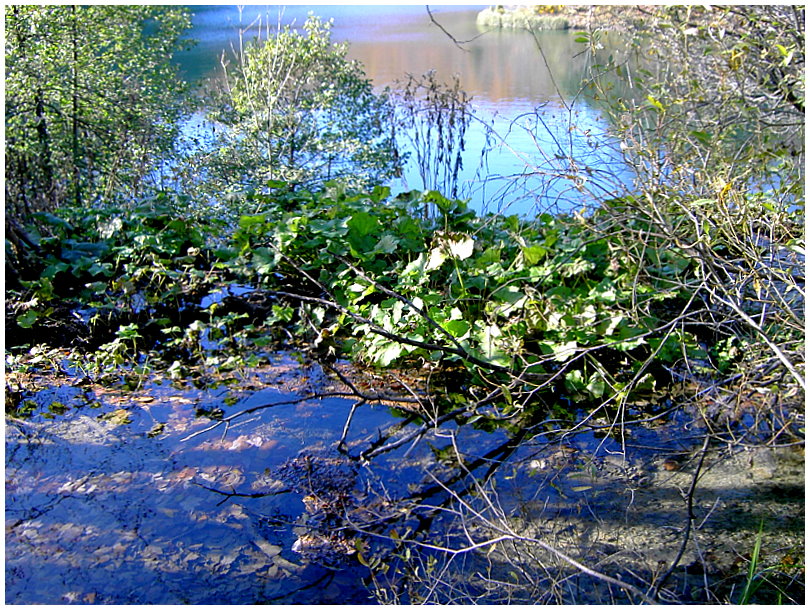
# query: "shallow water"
114,500
171,494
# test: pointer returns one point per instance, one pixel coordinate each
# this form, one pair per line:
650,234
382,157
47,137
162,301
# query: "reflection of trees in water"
586,526
477,522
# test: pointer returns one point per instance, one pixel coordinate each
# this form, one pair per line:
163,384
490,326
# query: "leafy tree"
297,110
91,100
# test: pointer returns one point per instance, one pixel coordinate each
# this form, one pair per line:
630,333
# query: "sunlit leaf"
564,351
596,385
533,254
458,328
437,257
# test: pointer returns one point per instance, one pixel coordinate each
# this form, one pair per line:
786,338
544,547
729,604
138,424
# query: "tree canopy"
298,110
91,99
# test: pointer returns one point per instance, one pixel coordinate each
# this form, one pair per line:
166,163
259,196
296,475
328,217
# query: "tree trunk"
46,161
77,191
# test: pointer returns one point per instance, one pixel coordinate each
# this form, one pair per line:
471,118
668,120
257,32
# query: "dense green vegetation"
598,308
297,110
91,100
688,283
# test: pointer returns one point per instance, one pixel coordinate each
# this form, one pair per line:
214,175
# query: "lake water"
547,143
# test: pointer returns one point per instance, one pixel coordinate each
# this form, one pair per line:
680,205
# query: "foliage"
526,305
713,129
297,110
724,89
601,308
92,101
693,270
540,303
127,272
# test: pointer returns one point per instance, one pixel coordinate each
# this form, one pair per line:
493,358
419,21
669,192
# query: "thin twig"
234,494
690,517
459,43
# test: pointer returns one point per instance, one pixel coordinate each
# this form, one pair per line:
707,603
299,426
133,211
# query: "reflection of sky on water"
530,134
541,159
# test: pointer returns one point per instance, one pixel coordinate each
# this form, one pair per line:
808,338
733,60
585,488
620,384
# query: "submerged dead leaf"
271,550
119,417
224,476
156,430
184,475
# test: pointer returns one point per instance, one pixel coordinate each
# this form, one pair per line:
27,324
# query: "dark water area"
532,116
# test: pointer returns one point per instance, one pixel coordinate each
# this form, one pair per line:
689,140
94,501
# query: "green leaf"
226,254
533,254
53,220
596,385
387,244
604,291
564,351
28,319
574,381
363,223
702,137
264,261
386,353
489,337
52,270
487,257
246,222
458,328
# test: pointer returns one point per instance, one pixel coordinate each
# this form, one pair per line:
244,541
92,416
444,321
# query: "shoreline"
562,17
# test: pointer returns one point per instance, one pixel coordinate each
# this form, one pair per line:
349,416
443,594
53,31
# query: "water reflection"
496,67
102,508
507,73
136,498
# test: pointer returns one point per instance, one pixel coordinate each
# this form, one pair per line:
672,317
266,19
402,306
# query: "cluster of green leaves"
110,257
523,298
148,284
122,269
